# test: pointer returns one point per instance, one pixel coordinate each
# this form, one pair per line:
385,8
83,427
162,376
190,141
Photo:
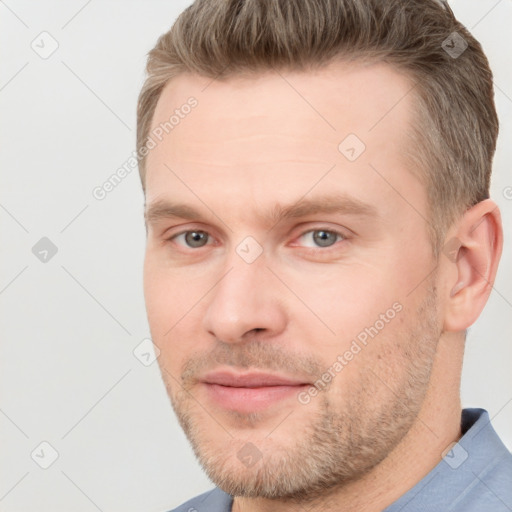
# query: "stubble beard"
338,444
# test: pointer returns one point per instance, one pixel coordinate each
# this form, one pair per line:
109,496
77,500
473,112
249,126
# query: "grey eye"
324,238
196,238
315,238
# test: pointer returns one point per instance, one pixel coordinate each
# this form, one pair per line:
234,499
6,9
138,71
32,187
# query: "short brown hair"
454,137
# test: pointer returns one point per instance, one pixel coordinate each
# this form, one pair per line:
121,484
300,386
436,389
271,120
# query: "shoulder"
211,501
483,473
475,475
490,489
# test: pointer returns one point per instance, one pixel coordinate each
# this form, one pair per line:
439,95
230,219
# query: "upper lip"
250,379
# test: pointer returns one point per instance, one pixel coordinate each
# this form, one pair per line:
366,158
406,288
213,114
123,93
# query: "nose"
245,301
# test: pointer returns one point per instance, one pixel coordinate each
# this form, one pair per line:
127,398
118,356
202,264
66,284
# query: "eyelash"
316,229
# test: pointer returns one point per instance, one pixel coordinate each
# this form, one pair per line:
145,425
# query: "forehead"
356,96
280,131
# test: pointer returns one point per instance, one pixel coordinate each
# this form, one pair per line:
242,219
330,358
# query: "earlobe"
475,257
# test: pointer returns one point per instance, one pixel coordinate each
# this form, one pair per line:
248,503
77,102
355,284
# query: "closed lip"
250,379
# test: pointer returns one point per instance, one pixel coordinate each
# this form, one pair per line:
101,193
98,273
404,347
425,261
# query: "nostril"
255,330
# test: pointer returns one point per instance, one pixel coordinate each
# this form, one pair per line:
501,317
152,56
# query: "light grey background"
69,326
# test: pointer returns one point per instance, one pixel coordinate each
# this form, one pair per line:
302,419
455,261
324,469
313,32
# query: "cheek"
173,313
156,296
345,302
168,294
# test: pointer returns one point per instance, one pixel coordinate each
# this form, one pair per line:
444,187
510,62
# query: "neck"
435,428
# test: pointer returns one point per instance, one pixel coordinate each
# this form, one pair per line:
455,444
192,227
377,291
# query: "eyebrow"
338,203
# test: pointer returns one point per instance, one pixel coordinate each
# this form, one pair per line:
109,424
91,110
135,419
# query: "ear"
473,251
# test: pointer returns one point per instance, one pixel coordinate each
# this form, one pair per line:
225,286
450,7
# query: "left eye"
321,237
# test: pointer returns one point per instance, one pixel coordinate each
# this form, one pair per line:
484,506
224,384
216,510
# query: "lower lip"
250,399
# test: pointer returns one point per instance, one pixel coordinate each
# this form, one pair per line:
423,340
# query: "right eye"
193,239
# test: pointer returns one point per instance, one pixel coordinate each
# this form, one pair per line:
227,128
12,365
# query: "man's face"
291,301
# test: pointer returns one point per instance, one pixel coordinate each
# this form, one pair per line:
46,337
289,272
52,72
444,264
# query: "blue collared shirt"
474,476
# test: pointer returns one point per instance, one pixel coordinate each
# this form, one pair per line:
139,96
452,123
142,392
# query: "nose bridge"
244,299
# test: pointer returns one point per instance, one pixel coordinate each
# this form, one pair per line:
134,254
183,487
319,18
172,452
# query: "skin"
386,418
